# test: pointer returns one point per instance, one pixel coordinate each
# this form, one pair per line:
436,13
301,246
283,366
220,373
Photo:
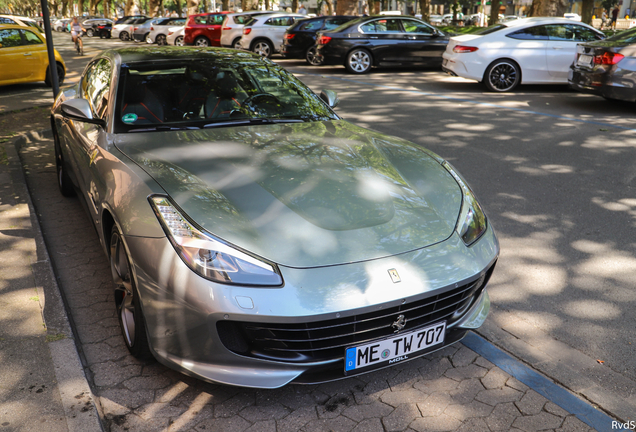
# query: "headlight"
472,220
210,257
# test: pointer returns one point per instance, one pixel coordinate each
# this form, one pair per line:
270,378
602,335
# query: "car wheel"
63,180
131,319
236,43
201,41
502,76
147,38
90,32
312,57
359,61
263,48
60,76
161,40
178,41
124,36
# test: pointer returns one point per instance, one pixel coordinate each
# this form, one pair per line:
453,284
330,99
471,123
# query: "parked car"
232,27
21,21
606,68
104,31
388,41
523,51
123,19
433,19
299,40
141,28
61,24
204,29
124,30
263,34
24,58
159,30
175,36
92,26
254,237
572,16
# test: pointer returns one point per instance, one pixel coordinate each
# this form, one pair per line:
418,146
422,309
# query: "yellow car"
23,56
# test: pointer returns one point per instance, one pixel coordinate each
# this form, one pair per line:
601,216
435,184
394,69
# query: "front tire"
60,75
202,42
312,57
147,38
359,61
502,76
63,179
129,313
90,32
263,48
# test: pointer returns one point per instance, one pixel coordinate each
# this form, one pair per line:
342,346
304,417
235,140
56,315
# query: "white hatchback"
264,33
232,28
523,51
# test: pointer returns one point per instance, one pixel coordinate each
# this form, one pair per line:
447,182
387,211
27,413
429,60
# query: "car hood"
303,194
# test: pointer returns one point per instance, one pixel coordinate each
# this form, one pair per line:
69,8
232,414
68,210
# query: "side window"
216,19
391,25
10,38
311,25
411,26
332,23
571,33
532,33
584,34
368,27
200,20
96,87
6,21
31,38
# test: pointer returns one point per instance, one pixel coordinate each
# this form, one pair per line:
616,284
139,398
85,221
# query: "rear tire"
90,32
312,57
63,180
124,36
202,42
147,38
359,61
179,41
263,48
502,76
161,40
236,43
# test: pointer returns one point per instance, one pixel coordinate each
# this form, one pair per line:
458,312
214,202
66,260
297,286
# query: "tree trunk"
193,6
266,5
130,6
153,8
494,12
294,6
587,10
548,8
178,6
106,8
329,4
425,6
80,7
347,7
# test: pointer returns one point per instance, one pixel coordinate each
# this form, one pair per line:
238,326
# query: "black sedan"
382,41
300,38
607,68
98,27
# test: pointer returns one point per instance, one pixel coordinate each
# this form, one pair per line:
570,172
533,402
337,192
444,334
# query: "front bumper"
183,310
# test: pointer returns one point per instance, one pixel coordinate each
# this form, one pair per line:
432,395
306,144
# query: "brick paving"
453,389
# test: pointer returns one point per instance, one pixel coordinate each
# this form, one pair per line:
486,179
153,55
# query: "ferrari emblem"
395,277
399,323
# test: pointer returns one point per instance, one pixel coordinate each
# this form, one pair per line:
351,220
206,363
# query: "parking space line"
542,385
474,102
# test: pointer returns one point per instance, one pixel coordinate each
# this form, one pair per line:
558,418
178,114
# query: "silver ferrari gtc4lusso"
256,238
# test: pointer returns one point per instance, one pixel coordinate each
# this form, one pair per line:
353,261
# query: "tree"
346,7
193,7
130,6
494,11
425,6
548,8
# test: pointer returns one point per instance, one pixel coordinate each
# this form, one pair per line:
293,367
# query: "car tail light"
289,36
324,40
608,58
226,28
152,28
169,33
464,49
135,29
247,30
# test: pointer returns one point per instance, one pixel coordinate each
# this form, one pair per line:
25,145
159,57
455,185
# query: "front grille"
326,340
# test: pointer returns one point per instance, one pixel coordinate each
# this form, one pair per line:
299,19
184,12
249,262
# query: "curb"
81,411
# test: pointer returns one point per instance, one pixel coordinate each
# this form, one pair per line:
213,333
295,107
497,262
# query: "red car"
204,29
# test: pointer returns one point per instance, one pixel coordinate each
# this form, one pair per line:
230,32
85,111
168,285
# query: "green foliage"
609,4
460,30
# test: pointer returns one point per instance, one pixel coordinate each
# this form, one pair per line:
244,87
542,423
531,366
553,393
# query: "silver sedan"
256,238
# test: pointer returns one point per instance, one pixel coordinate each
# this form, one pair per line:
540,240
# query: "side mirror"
79,109
330,97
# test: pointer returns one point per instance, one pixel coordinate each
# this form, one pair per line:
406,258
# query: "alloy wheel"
262,48
123,288
503,76
359,61
313,58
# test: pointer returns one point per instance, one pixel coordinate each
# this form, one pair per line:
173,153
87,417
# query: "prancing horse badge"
395,277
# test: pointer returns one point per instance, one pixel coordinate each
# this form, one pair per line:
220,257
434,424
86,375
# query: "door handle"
27,54
373,37
557,47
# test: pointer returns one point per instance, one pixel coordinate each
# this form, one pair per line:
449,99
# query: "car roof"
153,53
275,14
540,20
20,27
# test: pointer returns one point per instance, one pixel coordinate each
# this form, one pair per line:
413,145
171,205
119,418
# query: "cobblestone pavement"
451,390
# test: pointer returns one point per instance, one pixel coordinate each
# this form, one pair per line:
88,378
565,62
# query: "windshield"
204,93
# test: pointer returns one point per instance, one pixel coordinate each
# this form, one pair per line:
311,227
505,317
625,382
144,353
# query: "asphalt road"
555,172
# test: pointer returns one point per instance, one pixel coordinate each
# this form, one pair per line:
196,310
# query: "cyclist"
76,34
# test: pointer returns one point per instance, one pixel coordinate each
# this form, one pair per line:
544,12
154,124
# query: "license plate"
394,349
585,60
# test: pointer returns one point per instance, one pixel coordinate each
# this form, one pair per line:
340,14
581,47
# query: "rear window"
242,19
491,29
311,25
626,37
531,33
332,23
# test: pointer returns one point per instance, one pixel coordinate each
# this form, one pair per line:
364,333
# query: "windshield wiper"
164,128
251,121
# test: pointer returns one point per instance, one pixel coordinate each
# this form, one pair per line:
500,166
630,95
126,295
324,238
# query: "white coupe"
523,51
